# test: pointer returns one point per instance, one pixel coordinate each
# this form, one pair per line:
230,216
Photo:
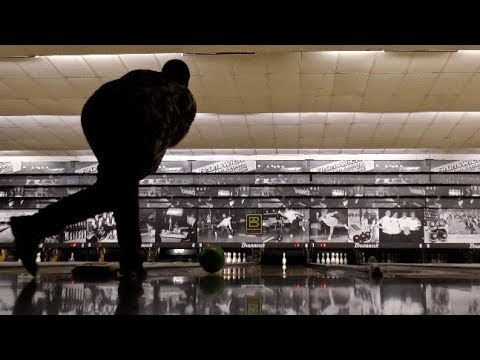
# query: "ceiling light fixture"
219,53
20,57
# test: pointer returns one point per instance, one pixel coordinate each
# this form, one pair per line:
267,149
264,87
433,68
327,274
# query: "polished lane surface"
256,290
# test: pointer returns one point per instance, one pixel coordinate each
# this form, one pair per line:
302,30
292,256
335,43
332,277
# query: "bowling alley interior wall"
344,203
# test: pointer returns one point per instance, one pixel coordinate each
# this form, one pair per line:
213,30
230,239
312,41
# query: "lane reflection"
220,295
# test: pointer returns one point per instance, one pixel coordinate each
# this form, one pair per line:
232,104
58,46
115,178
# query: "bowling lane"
237,290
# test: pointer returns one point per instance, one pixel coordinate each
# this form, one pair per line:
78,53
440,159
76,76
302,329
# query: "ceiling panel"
274,89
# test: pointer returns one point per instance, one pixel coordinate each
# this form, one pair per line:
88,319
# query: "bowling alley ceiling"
253,97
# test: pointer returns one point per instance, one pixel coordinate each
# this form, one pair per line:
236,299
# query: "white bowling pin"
328,258
323,258
244,260
345,262
318,258
284,260
234,258
38,259
229,258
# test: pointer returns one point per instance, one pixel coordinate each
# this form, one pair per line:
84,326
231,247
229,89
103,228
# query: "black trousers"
113,191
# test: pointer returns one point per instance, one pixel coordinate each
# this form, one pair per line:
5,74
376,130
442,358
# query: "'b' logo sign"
253,223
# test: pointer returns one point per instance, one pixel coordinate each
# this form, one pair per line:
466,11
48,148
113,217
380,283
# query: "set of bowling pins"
233,259
39,257
334,258
234,273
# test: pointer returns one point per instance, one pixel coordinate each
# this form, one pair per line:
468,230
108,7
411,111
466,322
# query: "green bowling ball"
212,259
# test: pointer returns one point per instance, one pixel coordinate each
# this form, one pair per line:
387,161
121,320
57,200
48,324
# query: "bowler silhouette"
129,123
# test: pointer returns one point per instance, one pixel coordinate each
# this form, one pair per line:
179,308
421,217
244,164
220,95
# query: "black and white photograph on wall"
86,167
282,166
241,191
167,179
226,203
395,203
174,225
452,203
47,167
214,191
147,225
452,298
223,179
174,167
380,191
344,191
9,167
401,179
455,179
401,166
43,180
17,203
102,228
343,179
400,226
363,225
268,191
45,192
228,225
6,235
224,166
452,226
455,166
73,233
11,191
160,203
341,165
329,224
329,202
282,179
149,191
281,202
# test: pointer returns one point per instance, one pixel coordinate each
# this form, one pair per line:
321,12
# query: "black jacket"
134,119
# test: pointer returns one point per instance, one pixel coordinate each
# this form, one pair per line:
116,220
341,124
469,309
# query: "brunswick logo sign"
253,224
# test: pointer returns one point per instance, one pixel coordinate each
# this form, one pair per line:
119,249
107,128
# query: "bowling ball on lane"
212,259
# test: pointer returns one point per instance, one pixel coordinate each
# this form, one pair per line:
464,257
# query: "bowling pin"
318,258
323,258
284,260
38,259
345,262
244,260
234,258
228,260
328,258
